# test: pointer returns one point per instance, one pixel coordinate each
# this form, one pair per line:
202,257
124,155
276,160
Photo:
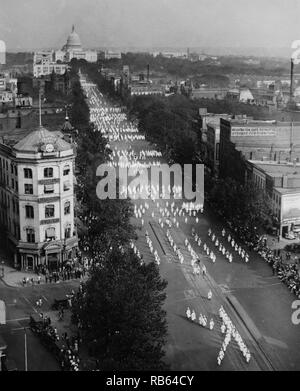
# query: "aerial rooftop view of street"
149,191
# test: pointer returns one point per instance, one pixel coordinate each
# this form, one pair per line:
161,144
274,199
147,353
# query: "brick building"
281,182
244,139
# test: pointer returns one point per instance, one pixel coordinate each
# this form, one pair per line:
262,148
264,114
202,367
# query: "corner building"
37,199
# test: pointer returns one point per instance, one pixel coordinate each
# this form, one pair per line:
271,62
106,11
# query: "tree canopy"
120,313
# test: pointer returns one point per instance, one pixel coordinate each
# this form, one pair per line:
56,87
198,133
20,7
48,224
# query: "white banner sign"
253,132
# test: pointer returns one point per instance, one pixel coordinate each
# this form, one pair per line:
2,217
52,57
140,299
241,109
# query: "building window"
67,186
29,212
48,189
67,233
27,173
49,211
66,170
217,151
67,207
50,233
16,171
30,235
48,172
28,188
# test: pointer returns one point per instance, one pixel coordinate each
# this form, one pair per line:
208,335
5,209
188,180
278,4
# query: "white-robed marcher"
188,313
193,316
209,295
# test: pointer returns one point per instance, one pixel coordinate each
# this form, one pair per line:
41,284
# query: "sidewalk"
65,325
274,244
13,278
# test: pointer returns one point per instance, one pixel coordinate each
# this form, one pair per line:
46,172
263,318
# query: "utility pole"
25,346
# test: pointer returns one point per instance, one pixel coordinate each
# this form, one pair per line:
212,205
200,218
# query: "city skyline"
161,23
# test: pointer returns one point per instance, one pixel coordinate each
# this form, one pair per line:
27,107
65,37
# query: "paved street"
257,302
20,303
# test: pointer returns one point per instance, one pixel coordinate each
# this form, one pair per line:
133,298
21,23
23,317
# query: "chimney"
292,80
284,181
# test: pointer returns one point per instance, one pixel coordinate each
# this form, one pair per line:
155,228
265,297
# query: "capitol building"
46,62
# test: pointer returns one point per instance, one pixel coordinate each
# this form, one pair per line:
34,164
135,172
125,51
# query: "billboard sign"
290,207
253,132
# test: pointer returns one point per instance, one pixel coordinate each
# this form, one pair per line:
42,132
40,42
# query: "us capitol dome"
73,41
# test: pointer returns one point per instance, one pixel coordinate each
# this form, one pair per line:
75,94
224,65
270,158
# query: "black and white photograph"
149,188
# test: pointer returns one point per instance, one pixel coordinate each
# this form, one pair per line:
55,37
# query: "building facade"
37,199
281,183
245,139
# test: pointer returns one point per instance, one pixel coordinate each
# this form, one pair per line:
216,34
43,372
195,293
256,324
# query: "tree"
242,205
121,315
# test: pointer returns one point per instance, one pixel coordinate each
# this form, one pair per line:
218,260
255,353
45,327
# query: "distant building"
15,119
23,101
210,140
167,54
109,55
37,199
207,93
145,89
46,62
44,69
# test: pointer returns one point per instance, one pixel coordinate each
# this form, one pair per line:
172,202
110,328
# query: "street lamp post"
25,350
25,347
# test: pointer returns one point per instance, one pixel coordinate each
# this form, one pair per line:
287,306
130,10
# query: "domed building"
73,41
38,215
73,49
47,62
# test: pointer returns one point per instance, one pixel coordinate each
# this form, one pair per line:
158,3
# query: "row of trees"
243,206
185,68
119,309
171,123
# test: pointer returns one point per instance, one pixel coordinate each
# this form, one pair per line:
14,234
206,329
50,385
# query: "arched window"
29,211
48,172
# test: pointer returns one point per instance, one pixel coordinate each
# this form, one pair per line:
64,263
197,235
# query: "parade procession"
168,234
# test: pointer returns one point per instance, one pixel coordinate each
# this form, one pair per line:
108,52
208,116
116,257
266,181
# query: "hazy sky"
28,24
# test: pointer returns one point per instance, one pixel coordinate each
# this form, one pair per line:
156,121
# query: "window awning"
49,187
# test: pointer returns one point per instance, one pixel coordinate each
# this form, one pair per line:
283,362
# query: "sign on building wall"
290,206
253,132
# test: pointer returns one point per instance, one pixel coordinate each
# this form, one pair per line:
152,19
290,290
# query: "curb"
250,327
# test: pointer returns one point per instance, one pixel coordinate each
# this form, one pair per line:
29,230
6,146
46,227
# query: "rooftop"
255,123
282,190
275,169
39,137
